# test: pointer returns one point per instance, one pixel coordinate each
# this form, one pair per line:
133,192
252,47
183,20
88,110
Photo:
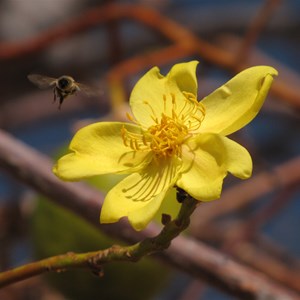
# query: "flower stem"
95,260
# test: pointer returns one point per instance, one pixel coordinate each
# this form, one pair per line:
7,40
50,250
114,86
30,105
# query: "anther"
144,140
137,147
173,99
165,102
132,144
129,117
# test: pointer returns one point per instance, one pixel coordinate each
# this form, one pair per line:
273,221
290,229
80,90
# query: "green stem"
95,260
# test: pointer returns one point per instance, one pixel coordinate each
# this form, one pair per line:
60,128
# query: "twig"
34,169
240,281
254,222
193,291
38,106
95,260
237,242
256,27
264,257
265,262
114,38
109,13
154,20
242,194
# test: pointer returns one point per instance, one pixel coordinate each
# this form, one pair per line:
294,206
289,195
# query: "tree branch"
257,25
94,260
195,258
171,30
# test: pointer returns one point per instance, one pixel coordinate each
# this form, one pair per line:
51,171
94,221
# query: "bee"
63,86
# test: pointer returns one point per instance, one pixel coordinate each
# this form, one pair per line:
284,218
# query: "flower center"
170,130
165,137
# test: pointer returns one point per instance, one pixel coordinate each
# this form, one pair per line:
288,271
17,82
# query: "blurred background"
108,45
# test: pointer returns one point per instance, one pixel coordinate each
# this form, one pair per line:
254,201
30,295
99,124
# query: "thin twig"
171,30
199,260
242,194
257,25
95,260
267,258
255,221
263,261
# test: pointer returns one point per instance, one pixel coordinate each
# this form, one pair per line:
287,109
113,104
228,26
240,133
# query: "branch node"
165,219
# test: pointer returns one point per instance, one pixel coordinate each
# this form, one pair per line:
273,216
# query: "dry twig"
172,31
32,168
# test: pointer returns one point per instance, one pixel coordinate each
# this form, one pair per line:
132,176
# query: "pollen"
167,136
175,124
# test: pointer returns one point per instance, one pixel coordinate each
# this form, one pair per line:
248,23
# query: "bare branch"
95,260
256,27
172,31
199,260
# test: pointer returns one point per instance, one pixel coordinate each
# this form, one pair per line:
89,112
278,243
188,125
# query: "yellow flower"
173,140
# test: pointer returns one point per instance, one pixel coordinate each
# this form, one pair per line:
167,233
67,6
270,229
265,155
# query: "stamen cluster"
169,131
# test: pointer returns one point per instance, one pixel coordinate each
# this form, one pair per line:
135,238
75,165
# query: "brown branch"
39,106
192,44
108,13
199,259
258,252
34,169
257,25
240,242
263,261
254,222
95,260
162,25
239,196
285,88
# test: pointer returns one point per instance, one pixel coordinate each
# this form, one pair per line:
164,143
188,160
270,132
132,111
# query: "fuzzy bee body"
63,86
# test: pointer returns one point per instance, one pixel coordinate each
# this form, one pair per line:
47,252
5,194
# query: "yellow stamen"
170,130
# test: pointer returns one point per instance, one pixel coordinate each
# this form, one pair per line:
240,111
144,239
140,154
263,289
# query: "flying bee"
63,86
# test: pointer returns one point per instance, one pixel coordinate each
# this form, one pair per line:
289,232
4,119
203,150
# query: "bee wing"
41,81
89,91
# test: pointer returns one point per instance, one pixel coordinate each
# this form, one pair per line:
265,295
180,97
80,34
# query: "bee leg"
54,93
61,100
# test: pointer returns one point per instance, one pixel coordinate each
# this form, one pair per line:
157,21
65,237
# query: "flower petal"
204,167
140,218
147,97
139,196
239,162
206,160
236,103
99,149
184,76
170,206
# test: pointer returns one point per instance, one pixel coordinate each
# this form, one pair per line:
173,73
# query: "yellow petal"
184,76
170,206
236,103
206,160
140,218
99,149
147,97
139,196
204,167
238,162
